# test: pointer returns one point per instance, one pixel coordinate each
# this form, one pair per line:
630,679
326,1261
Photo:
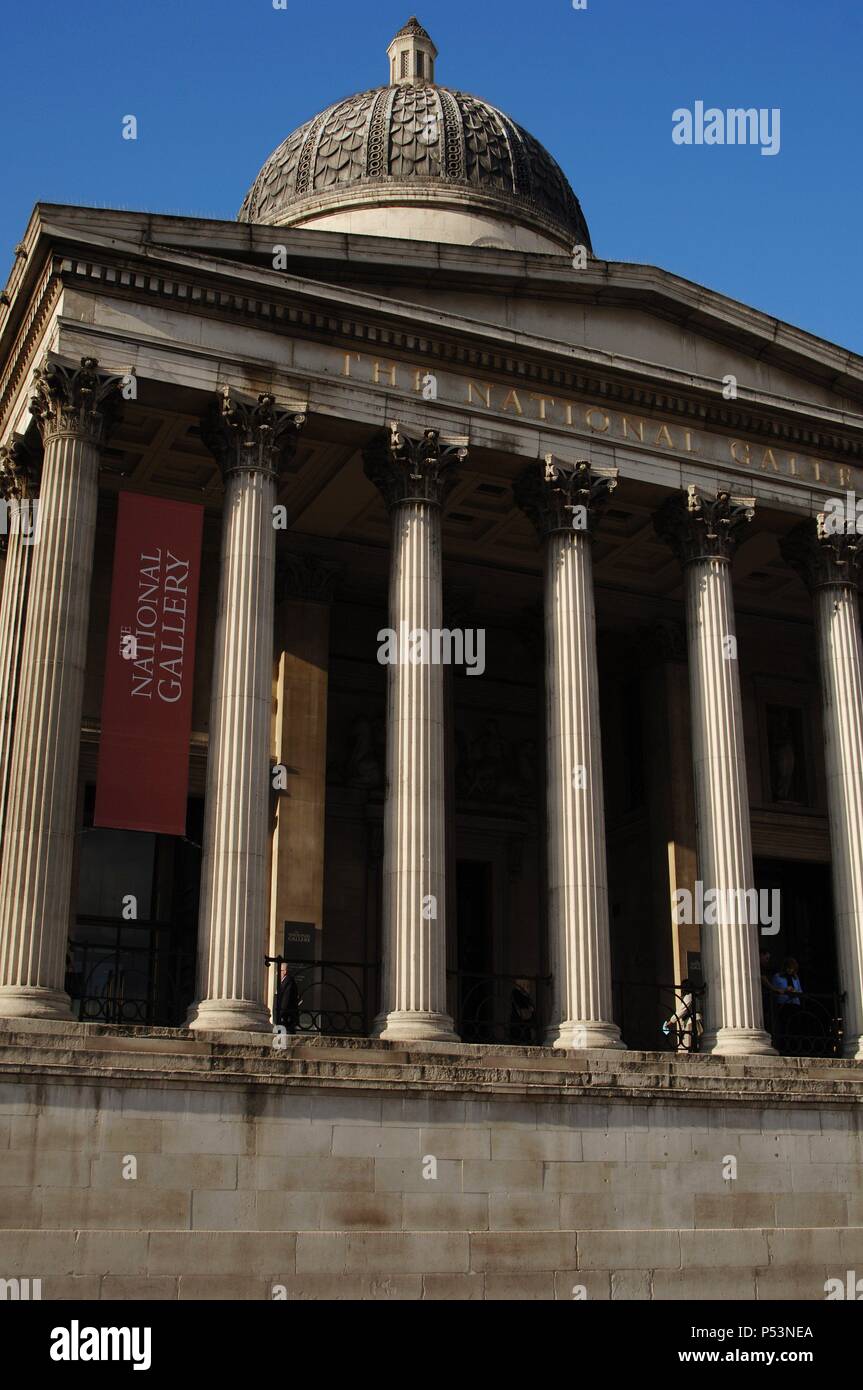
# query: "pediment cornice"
345,316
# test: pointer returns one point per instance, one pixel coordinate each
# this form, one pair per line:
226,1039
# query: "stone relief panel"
494,766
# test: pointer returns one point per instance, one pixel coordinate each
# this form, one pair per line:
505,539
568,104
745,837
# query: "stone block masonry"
137,1164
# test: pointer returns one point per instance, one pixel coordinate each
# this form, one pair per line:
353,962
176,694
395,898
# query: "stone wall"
369,1171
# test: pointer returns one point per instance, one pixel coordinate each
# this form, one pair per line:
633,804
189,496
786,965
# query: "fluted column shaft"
702,532
234,906
830,564
564,503
412,476
39,832
837,622
16,486
414,820
577,874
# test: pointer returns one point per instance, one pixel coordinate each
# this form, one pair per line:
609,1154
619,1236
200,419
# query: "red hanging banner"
143,778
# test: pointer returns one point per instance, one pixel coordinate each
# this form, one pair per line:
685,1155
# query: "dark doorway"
806,932
475,934
131,954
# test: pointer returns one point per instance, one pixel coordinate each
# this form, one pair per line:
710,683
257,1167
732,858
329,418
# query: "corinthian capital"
560,496
74,400
20,471
821,555
413,470
251,438
703,528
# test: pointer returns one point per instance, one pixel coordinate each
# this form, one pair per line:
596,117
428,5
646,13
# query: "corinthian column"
70,408
412,475
19,489
564,501
829,562
703,532
250,443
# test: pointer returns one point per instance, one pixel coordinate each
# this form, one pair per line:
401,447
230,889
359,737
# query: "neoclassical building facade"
408,400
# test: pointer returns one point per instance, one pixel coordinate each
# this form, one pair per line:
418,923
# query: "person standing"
287,1001
685,1024
789,995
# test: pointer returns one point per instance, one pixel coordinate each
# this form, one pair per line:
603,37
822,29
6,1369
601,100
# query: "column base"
579,1037
414,1025
738,1042
852,1047
31,1001
229,1016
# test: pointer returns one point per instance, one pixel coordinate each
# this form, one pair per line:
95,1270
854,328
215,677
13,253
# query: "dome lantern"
412,55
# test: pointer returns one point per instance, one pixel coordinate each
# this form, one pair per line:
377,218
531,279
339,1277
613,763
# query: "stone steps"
98,1052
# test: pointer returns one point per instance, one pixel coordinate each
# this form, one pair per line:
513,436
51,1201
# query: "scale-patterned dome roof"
411,142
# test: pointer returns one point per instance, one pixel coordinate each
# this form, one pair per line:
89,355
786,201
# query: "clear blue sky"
217,84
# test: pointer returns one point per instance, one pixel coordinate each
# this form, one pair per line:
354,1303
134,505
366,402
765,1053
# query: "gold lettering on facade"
542,404
597,429
479,387
391,367
577,416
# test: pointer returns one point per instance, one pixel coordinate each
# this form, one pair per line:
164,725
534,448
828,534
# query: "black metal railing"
500,1008
339,998
669,1018
129,973
659,1017
333,997
806,1025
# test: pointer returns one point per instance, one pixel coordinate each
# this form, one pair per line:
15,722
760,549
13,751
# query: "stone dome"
416,159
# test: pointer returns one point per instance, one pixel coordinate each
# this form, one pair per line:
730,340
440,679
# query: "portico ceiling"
329,500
